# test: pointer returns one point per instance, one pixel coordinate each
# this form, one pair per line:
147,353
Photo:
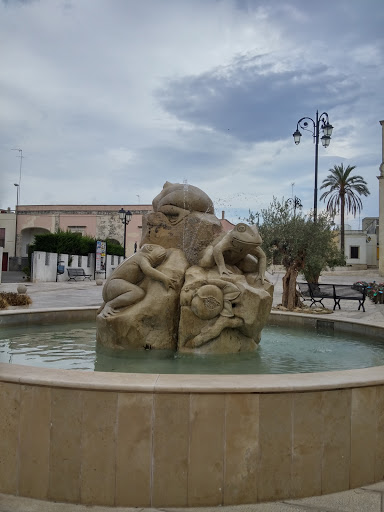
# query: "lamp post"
125,217
17,194
21,163
295,202
321,124
17,204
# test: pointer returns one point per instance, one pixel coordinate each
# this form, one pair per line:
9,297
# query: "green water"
282,350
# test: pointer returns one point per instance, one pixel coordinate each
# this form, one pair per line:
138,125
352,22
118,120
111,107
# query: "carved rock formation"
222,314
192,234
191,287
153,321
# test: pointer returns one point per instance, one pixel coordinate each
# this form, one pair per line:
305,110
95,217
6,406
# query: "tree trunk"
290,298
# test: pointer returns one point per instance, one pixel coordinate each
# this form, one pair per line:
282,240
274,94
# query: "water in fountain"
282,350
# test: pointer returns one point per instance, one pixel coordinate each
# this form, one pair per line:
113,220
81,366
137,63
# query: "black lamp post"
17,194
16,211
321,124
295,202
125,218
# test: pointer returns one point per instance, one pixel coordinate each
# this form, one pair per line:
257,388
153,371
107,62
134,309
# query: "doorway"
4,263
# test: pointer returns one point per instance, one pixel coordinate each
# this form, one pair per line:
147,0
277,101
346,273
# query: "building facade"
381,203
99,221
7,237
361,248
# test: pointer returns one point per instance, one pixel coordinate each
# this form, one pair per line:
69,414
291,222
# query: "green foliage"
344,190
114,248
296,241
66,242
253,218
299,244
342,194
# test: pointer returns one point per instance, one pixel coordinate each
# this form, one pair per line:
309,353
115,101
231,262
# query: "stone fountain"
160,440
192,286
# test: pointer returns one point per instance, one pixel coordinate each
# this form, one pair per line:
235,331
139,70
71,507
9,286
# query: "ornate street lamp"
295,202
321,124
125,218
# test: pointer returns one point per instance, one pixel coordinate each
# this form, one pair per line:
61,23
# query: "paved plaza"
87,293
84,293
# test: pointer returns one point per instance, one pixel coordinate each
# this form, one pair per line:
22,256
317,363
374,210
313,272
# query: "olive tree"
298,243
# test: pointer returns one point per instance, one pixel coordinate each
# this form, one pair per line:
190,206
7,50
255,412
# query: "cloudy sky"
108,99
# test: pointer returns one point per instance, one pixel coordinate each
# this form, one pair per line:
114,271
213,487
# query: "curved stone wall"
188,440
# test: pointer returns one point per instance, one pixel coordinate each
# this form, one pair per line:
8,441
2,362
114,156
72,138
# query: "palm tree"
343,194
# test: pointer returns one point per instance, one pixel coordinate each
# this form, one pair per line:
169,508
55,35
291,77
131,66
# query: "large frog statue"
177,200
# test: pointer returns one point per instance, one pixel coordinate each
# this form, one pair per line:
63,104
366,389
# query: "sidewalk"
77,294
60,295
87,293
374,313
365,499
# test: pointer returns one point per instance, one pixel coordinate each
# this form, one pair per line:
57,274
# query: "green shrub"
66,242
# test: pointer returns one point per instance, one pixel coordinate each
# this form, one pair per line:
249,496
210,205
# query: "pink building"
99,221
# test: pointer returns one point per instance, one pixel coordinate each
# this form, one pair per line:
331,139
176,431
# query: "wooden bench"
317,292
74,273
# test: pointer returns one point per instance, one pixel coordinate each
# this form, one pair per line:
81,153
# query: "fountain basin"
187,440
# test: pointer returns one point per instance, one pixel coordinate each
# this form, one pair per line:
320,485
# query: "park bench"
74,273
317,292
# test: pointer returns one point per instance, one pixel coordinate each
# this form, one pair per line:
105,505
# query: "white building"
381,204
361,248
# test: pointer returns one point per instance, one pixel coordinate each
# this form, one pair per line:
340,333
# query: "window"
354,252
2,237
77,229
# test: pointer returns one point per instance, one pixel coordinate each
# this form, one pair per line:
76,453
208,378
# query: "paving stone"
17,504
379,487
358,500
260,507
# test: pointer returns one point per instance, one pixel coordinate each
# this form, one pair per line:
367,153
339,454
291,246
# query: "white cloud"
80,90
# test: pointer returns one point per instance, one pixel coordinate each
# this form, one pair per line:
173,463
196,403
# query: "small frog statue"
240,247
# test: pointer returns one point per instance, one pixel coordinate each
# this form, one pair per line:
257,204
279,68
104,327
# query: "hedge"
66,242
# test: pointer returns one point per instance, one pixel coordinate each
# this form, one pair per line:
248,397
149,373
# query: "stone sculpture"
238,247
121,288
192,287
178,200
183,218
